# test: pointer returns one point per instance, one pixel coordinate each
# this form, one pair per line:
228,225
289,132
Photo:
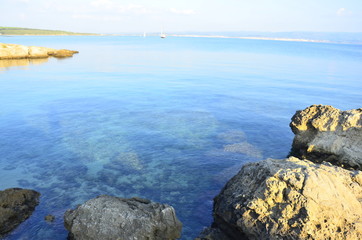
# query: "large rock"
16,205
107,217
324,133
290,199
15,51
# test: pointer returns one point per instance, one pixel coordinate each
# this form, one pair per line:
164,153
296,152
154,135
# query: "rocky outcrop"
15,51
291,199
297,198
324,133
107,217
16,205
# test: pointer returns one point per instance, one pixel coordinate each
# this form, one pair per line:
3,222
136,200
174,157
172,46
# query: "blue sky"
117,16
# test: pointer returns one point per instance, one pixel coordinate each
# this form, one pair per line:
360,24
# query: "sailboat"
163,35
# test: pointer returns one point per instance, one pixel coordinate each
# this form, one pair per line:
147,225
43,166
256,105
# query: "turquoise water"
166,119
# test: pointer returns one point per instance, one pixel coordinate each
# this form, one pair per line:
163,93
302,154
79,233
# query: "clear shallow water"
170,120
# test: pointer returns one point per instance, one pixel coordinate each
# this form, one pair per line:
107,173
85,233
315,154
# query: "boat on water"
163,35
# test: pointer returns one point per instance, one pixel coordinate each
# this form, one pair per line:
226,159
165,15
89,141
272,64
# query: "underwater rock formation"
16,205
290,199
324,133
245,148
15,51
107,217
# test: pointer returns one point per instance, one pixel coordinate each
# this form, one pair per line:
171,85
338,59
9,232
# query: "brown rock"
62,53
15,51
49,218
37,52
16,205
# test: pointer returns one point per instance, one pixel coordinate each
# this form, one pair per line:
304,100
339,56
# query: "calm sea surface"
166,119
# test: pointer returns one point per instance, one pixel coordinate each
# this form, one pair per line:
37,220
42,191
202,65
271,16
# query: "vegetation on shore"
31,31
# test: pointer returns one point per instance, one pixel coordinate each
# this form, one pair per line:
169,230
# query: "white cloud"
105,4
343,12
119,8
96,17
183,12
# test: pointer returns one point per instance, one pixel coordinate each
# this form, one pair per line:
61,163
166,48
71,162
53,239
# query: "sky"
132,16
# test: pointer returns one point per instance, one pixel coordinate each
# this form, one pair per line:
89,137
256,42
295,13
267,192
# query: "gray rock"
107,217
291,199
213,234
324,133
16,205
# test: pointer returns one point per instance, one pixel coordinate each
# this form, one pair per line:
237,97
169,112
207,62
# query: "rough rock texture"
291,199
62,53
107,217
214,234
16,205
15,51
324,133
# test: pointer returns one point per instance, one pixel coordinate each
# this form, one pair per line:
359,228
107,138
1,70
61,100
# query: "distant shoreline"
75,34
283,39
257,38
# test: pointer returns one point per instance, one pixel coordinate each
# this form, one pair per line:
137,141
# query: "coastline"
256,38
281,39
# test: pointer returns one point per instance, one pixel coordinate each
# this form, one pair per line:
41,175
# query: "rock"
291,199
49,218
15,51
16,205
244,148
62,53
213,234
107,217
38,52
324,133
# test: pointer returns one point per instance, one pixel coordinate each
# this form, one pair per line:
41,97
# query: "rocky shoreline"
315,196
315,193
15,51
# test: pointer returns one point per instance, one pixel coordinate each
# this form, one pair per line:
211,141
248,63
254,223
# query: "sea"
170,120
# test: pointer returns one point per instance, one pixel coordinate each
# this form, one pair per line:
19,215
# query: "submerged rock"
15,51
16,205
49,218
291,199
107,217
324,133
244,148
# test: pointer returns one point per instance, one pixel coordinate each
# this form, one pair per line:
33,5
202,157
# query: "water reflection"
6,64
